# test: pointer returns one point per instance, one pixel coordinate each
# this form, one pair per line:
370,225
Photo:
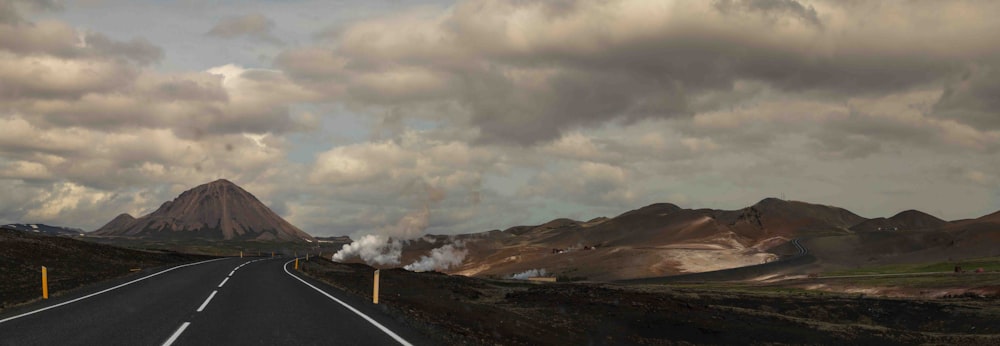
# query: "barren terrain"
71,264
463,310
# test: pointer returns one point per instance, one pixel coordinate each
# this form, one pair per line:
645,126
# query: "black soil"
70,264
462,310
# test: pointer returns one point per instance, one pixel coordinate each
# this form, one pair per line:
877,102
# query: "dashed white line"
177,334
210,296
223,282
231,273
104,291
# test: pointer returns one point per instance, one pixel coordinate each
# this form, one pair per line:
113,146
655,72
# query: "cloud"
138,50
10,10
253,25
490,113
528,72
972,99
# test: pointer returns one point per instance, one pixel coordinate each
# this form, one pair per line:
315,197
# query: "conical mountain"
219,210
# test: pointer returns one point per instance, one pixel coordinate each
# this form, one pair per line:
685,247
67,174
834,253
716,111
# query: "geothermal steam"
442,258
386,246
531,273
373,249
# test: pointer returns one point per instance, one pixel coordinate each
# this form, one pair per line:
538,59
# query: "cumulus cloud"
253,25
972,99
528,72
516,112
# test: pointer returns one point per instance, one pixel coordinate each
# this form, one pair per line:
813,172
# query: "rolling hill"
664,239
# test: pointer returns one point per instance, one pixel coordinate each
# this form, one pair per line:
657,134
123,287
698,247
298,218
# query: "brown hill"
659,239
121,221
219,210
906,220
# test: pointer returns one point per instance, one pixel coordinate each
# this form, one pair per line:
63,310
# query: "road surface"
228,301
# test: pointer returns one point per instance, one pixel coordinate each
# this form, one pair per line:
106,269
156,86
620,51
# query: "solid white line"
210,296
104,291
177,334
359,313
223,282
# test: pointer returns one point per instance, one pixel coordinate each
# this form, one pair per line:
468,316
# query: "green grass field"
989,264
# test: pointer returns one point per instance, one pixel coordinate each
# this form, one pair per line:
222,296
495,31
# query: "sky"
359,117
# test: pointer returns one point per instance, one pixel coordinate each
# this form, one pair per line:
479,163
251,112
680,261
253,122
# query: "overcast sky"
346,116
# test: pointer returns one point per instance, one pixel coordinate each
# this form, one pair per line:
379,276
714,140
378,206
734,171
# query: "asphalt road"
230,301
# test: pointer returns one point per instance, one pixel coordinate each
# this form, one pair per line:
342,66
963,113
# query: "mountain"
121,221
991,218
906,220
656,240
219,210
45,229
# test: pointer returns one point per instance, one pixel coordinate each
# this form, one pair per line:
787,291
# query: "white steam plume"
380,248
528,274
385,247
442,258
373,249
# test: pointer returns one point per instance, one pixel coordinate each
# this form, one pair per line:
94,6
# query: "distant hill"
219,210
119,222
334,239
45,229
906,220
656,240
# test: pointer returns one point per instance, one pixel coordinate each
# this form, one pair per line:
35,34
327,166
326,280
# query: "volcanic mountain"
219,210
906,220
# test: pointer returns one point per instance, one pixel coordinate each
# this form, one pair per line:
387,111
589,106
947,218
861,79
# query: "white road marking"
231,273
359,313
223,282
104,291
176,334
210,296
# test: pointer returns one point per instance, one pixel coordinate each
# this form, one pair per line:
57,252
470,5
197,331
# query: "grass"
988,264
965,280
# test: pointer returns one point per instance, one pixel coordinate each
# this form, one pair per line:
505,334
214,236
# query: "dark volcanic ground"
462,310
71,264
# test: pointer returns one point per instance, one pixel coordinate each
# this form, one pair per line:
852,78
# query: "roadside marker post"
307,256
241,254
45,283
296,264
375,289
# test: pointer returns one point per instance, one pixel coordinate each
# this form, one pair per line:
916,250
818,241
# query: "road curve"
225,302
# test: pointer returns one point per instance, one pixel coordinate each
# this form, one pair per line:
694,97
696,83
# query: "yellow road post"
296,263
45,283
375,289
